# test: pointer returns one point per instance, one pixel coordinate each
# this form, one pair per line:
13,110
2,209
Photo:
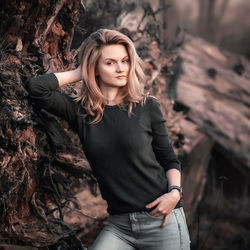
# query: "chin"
120,84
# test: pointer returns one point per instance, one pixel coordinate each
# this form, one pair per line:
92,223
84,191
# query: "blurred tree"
211,14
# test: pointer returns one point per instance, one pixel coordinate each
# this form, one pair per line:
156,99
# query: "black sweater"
129,155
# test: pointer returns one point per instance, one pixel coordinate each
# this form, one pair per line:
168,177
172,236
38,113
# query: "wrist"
175,194
78,73
176,191
69,77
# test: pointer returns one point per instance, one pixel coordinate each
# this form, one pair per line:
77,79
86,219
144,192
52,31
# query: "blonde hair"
90,95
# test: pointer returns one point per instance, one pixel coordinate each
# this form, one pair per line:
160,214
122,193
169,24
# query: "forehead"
113,51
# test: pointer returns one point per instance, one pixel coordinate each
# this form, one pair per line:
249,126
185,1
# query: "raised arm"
43,90
68,77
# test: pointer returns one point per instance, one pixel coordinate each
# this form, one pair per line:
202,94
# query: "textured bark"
198,151
211,87
34,183
16,247
42,165
214,86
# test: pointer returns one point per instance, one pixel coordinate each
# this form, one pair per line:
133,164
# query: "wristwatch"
175,187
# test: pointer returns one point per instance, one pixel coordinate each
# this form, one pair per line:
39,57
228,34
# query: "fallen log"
211,87
196,156
214,88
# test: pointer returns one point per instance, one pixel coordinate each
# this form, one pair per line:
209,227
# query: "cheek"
101,70
105,72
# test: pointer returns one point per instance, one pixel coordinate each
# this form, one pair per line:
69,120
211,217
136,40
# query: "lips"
121,77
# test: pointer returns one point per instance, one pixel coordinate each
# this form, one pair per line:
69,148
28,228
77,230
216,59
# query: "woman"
124,137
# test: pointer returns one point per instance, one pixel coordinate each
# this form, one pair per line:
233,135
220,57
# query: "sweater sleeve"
162,145
43,90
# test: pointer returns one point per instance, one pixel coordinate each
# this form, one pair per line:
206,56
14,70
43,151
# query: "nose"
119,67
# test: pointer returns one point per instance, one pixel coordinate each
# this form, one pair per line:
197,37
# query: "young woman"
124,137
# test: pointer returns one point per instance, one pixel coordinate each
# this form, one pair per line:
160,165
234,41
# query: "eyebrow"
115,59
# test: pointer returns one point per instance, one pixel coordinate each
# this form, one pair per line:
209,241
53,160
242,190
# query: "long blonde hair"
90,95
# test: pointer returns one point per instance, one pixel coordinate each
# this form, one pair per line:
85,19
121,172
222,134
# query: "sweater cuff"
173,165
52,80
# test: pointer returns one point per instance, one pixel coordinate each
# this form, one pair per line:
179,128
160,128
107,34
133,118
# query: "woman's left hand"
164,205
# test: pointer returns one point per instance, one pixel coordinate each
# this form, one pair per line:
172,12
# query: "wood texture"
34,184
43,168
198,149
215,87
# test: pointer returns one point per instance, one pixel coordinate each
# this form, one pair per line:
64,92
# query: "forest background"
196,55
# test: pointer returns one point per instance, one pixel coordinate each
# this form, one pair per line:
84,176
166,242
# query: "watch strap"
175,187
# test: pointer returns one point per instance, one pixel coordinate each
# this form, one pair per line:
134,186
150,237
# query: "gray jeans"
142,231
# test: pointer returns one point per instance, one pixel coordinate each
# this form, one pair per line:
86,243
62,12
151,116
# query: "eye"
109,63
126,61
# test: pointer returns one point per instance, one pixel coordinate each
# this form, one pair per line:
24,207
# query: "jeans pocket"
153,217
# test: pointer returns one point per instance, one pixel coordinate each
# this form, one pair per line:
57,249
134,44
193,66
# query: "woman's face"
113,66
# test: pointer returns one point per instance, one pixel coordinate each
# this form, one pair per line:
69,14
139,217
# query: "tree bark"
211,87
197,151
214,88
43,168
42,165
34,186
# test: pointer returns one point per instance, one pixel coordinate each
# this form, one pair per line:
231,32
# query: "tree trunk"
214,88
34,184
198,154
42,165
211,88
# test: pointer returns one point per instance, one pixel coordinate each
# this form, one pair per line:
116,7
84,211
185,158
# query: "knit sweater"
129,154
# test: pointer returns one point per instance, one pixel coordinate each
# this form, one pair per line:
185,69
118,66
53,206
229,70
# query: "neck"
110,94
